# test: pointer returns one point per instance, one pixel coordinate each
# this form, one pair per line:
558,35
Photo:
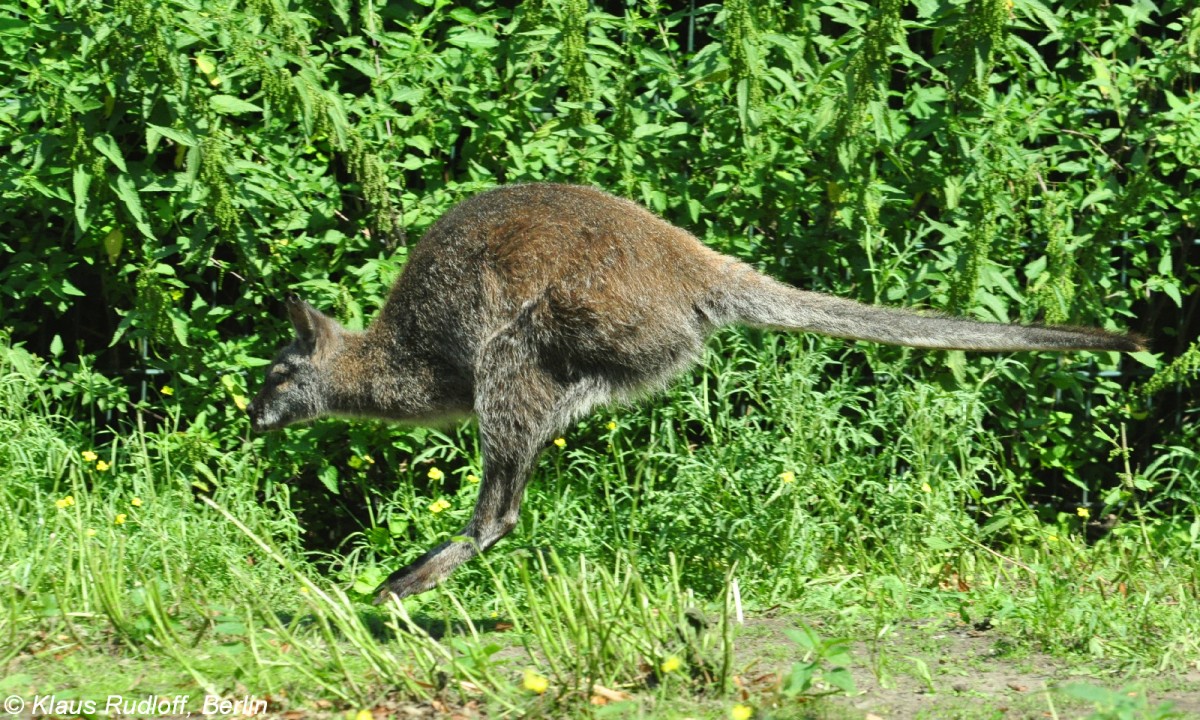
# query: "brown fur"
530,304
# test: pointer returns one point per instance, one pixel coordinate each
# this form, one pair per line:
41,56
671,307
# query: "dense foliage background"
172,168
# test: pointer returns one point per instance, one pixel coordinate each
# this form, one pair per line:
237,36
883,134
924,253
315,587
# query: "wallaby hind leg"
506,471
520,408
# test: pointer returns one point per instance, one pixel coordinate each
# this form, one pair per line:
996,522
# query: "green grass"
877,513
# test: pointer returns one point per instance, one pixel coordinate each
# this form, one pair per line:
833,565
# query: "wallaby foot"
426,571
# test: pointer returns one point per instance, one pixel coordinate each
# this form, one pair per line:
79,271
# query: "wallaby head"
297,386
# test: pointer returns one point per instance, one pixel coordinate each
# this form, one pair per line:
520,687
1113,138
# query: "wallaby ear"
313,328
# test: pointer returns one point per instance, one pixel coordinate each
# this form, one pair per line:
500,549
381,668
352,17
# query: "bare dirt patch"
939,669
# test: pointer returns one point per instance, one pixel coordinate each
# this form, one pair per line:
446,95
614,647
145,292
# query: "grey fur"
528,305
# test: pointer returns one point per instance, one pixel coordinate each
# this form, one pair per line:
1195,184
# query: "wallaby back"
596,284
599,272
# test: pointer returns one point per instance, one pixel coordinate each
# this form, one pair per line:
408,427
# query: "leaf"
937,543
182,137
80,181
179,325
108,148
679,128
648,129
397,526
926,8
206,64
996,525
341,8
420,142
176,182
1034,269
12,26
805,637
841,679
368,580
328,476
956,360
1037,9
473,39
1146,358
953,190
800,679
362,66
112,244
1096,196
230,105
1165,264
128,193
408,95
1172,291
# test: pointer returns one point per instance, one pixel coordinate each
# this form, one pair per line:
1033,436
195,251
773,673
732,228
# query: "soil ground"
942,670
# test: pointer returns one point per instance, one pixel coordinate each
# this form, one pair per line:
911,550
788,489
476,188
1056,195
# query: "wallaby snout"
258,423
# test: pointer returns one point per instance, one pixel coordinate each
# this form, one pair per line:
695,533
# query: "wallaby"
528,305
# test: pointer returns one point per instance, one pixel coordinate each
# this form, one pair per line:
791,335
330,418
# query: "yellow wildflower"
438,505
560,442
240,401
611,425
355,462
534,682
90,532
120,519
1083,513
472,478
89,456
168,390
925,488
741,712
436,474
364,715
787,477
102,466
671,664
66,502
136,502
368,459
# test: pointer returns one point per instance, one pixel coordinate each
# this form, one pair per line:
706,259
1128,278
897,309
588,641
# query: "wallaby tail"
755,299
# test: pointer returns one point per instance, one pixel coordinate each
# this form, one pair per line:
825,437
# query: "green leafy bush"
172,167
